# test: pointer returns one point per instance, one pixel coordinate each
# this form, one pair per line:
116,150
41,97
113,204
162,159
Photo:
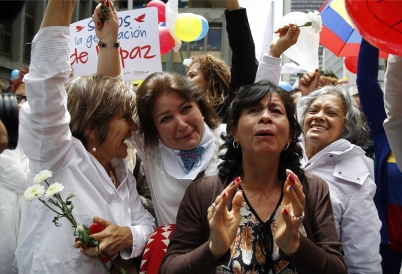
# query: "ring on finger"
298,218
213,207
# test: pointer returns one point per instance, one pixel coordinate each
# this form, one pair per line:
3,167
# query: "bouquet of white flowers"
52,195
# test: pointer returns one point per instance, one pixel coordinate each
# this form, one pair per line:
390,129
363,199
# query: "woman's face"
119,129
263,128
324,121
197,76
179,122
20,92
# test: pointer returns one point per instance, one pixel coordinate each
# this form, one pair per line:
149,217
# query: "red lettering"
79,57
123,56
148,47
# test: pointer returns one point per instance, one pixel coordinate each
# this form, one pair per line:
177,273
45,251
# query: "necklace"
111,176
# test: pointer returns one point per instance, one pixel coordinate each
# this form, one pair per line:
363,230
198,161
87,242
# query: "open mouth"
265,133
318,127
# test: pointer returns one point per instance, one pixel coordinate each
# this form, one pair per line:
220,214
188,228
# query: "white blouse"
47,141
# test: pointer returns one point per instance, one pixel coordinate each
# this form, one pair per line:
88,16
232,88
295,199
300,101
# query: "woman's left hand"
106,31
111,240
291,215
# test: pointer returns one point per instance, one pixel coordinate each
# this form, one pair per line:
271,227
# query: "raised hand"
288,36
291,215
309,82
222,222
106,29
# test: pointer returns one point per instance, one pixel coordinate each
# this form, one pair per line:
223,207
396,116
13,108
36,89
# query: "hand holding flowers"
313,20
63,209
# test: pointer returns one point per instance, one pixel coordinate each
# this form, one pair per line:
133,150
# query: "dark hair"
159,83
217,73
17,81
248,96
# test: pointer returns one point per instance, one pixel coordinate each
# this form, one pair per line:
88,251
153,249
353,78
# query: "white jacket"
350,177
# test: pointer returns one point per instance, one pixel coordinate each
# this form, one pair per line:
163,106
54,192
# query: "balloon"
161,6
14,73
166,41
188,27
205,28
351,64
305,51
285,85
378,22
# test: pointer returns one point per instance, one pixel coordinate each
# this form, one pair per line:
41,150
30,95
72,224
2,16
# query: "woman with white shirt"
333,129
78,132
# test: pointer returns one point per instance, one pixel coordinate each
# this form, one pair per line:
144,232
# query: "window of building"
5,40
30,14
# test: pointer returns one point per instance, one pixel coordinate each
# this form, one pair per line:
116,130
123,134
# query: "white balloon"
305,51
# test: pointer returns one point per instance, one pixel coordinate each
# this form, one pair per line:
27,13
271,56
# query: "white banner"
139,44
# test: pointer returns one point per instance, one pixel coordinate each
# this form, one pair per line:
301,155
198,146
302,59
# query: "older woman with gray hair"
334,129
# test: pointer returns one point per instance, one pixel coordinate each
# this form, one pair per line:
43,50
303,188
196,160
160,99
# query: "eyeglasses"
20,97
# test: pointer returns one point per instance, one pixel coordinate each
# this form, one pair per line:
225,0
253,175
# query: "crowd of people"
241,175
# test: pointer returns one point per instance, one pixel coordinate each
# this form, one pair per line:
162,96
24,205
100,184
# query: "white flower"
33,192
314,20
53,189
42,176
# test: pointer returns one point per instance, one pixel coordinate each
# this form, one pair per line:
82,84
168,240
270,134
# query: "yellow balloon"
188,27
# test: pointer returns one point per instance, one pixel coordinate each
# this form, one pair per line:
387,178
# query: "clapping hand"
222,222
291,215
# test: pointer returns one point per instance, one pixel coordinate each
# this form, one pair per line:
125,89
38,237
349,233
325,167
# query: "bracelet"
104,45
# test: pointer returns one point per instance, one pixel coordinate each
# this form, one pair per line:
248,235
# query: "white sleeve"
44,120
361,246
143,224
269,69
392,103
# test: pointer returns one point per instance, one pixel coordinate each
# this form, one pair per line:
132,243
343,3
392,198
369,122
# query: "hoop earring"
94,148
235,144
286,147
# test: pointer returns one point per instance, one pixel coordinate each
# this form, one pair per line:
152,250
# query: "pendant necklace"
111,176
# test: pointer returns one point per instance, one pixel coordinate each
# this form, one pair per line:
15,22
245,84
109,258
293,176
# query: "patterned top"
249,247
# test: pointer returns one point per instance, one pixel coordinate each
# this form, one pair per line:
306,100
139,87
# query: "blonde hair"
93,100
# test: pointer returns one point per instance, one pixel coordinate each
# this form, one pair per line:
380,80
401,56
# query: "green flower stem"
66,210
103,264
50,207
121,270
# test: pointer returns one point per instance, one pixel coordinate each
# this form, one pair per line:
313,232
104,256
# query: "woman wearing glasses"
275,219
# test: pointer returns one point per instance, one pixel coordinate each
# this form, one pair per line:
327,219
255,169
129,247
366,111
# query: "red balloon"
161,6
379,22
351,63
166,41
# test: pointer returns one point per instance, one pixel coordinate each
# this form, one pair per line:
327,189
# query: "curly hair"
17,81
217,74
246,97
355,129
159,83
